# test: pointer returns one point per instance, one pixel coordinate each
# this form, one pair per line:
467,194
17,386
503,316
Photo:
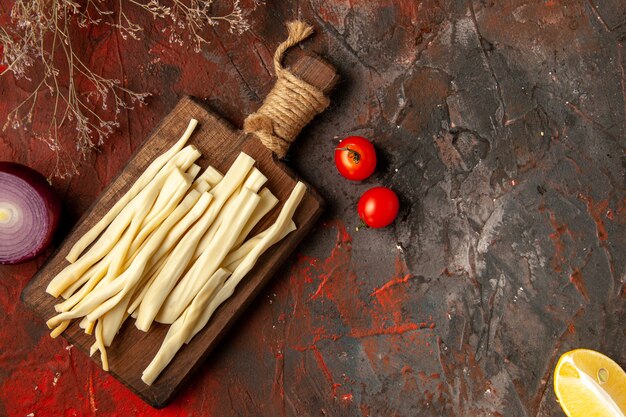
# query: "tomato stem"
356,157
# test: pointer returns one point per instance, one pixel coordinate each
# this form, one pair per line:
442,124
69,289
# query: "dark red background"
501,126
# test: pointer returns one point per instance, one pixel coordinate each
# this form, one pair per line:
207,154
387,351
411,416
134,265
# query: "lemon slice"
589,384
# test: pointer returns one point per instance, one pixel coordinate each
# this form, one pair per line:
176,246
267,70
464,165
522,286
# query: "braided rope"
290,105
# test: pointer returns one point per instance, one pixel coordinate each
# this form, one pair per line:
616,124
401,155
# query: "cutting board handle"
299,94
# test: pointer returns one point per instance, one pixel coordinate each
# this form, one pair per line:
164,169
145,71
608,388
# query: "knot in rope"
290,105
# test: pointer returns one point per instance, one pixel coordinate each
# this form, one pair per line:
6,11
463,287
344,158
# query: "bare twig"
38,48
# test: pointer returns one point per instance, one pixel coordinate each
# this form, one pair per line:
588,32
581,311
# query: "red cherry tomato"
355,158
378,207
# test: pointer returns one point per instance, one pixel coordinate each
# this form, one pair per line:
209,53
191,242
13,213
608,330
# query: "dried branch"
38,47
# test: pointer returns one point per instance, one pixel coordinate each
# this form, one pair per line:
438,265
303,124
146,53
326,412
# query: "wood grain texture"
219,143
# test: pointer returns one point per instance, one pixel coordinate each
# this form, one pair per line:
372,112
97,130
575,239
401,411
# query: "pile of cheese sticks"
171,250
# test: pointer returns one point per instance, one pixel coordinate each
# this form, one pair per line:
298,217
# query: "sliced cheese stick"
99,345
235,176
237,254
183,215
121,252
179,331
152,274
149,173
113,320
187,212
234,258
143,200
89,326
232,181
60,329
254,182
101,293
175,196
129,278
177,262
141,204
84,324
211,175
267,203
99,273
69,291
222,192
211,259
227,208
146,258
195,316
179,212
173,191
174,181
201,186
104,297
193,171
189,209
250,260
100,302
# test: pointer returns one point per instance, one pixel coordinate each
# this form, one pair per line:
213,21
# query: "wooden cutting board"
220,144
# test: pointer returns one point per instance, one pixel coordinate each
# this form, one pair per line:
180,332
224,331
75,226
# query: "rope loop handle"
291,104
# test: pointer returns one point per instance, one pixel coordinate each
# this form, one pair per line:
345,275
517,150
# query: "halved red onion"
29,213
